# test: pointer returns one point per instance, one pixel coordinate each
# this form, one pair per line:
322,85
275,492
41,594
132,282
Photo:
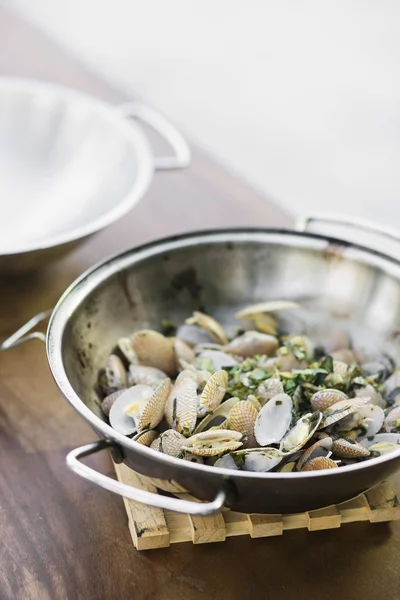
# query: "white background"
301,97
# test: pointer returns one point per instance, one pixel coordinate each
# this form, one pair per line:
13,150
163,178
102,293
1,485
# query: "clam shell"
344,355
242,418
269,388
258,460
303,342
214,390
213,443
264,323
193,335
192,458
345,448
113,378
126,410
299,435
382,443
392,420
325,398
374,396
153,412
170,442
366,420
340,410
124,345
266,307
340,367
251,343
220,415
335,340
392,382
321,447
226,462
257,405
219,359
215,329
141,375
273,420
145,437
182,401
109,400
183,351
154,350
319,463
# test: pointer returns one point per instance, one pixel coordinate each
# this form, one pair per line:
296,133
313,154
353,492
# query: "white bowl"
69,166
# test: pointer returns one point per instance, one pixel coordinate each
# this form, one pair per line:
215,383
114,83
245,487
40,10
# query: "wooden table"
63,538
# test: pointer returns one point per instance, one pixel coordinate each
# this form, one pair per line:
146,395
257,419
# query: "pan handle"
165,502
150,116
350,222
19,336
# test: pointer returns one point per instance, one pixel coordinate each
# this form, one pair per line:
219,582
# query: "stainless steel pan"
70,165
217,271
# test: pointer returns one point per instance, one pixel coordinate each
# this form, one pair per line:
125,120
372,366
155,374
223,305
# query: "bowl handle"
19,336
151,117
165,502
385,231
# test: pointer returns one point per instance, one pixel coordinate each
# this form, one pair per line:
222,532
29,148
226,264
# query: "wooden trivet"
156,528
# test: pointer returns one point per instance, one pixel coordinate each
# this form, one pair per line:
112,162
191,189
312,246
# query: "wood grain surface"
63,538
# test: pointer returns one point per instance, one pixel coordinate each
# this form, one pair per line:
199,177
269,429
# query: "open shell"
392,420
170,442
183,351
153,412
365,421
154,350
214,391
273,420
126,410
259,460
251,343
213,443
145,437
109,400
215,329
382,443
217,417
340,410
126,350
321,447
299,435
266,307
220,360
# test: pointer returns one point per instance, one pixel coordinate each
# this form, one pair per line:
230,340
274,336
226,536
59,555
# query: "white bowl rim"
127,129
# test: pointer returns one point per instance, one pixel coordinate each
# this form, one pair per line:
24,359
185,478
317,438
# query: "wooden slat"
147,524
205,529
296,521
265,525
354,510
324,518
383,503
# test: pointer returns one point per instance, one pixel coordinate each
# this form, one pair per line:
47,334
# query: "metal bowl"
69,166
220,272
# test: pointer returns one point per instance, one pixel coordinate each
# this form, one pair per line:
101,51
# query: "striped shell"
299,435
170,442
345,448
340,367
153,412
257,405
215,329
242,418
213,443
145,437
321,447
340,410
319,463
214,391
269,388
251,343
181,404
325,398
154,350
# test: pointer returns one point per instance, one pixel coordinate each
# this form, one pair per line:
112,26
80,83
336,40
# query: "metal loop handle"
348,221
19,336
164,128
165,502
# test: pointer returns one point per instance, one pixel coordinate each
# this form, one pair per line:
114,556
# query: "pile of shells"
259,401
